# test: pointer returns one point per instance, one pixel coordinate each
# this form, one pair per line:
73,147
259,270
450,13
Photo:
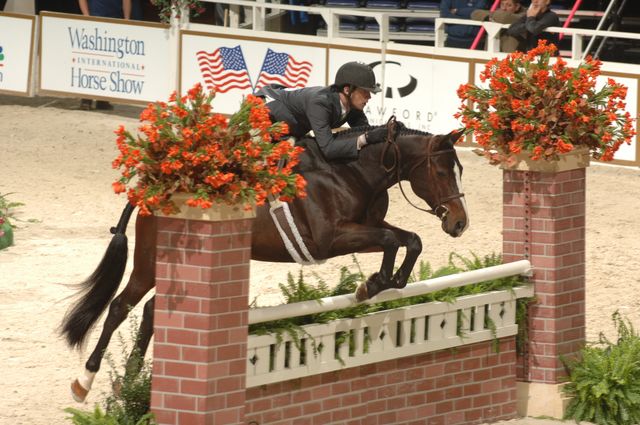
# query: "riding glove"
377,135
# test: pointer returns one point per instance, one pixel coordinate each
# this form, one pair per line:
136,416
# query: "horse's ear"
454,136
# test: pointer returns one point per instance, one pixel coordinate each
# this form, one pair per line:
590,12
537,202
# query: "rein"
390,142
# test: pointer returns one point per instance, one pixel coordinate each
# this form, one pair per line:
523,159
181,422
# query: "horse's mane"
314,158
404,132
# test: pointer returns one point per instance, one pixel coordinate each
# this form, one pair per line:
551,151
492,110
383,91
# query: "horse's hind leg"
118,311
136,358
142,280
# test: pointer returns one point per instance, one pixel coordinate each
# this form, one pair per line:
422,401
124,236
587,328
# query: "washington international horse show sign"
104,58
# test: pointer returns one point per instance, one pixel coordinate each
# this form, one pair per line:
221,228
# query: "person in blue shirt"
122,9
460,36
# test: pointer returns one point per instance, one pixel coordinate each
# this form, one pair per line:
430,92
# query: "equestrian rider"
322,109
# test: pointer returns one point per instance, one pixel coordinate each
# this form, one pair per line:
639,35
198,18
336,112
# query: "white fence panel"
383,336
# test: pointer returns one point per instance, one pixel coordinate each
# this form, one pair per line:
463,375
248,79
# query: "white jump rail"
384,335
267,314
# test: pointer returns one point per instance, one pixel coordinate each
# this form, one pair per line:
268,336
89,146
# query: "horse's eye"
441,174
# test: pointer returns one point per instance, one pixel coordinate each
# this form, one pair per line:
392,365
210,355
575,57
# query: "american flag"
224,69
283,69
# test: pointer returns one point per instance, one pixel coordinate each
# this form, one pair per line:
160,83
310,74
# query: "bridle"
440,210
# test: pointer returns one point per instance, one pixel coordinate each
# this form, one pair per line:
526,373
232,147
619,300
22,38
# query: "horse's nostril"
460,225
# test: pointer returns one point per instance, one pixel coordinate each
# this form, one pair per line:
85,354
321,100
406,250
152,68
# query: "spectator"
530,28
461,36
107,9
509,12
64,6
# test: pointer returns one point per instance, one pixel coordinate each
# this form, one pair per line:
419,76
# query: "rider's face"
359,98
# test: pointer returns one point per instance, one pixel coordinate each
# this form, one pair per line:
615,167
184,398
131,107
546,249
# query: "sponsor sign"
414,90
16,53
105,58
237,67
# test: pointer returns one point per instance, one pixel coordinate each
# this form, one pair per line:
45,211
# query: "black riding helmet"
357,74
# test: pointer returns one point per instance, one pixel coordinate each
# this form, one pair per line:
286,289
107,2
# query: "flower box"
217,212
6,235
578,158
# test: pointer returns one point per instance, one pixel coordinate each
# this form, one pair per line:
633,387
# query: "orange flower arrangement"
182,147
544,108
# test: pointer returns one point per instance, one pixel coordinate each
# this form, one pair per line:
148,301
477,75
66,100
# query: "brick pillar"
544,222
201,317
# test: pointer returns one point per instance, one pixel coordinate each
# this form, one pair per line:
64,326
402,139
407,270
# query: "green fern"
97,417
604,383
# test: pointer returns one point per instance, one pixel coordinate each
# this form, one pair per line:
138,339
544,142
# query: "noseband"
440,209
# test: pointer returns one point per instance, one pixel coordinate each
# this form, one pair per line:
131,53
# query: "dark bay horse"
343,213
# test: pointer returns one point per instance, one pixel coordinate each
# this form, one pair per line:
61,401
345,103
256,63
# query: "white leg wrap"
87,379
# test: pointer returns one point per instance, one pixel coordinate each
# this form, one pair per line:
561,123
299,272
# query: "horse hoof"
362,292
78,392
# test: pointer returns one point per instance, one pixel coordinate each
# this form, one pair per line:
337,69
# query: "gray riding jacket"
317,109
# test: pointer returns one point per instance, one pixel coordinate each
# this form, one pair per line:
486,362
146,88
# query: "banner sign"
105,58
17,33
237,67
413,90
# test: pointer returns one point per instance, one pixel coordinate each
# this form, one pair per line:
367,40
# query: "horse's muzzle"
452,226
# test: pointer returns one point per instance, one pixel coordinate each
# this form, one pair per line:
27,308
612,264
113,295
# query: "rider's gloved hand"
377,135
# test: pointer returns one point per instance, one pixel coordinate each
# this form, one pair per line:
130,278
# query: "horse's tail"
97,290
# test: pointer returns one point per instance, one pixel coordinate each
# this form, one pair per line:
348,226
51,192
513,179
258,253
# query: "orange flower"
564,147
534,103
182,146
119,187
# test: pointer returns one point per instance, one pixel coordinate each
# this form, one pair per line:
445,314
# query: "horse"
343,213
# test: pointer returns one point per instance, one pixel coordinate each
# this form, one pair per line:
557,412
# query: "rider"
323,108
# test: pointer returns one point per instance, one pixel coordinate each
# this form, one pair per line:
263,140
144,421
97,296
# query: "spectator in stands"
461,36
530,28
64,6
107,9
509,12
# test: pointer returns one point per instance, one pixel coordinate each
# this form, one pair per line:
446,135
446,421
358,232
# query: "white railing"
493,32
266,314
385,335
331,16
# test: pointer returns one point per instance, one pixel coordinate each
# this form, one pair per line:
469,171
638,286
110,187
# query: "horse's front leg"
356,238
414,248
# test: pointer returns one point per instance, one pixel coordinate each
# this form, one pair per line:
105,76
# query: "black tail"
98,290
